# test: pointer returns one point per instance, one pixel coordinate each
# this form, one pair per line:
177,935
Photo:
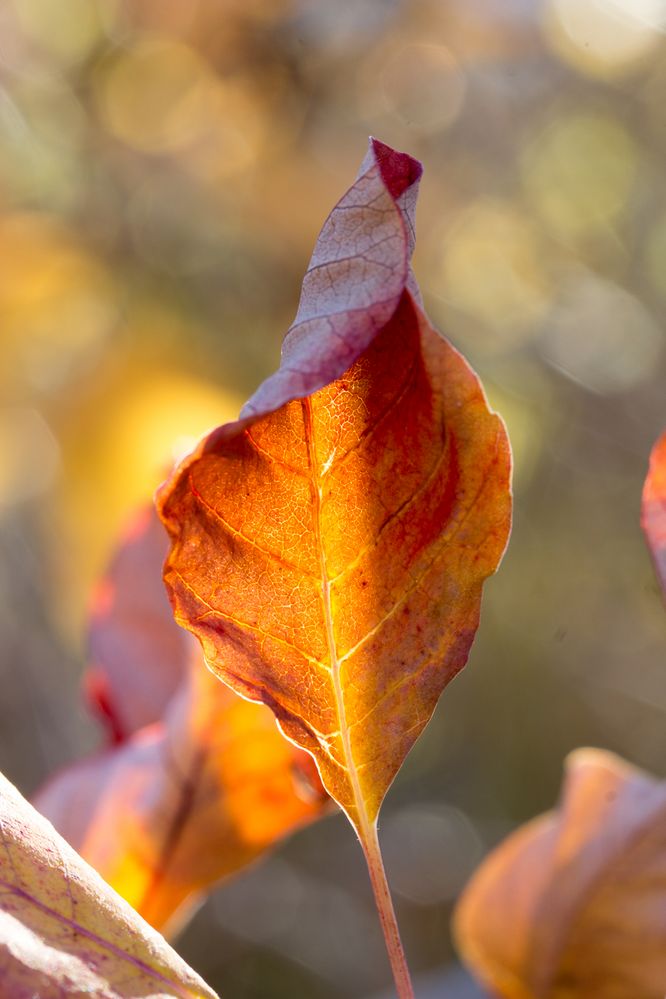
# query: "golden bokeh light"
601,336
579,173
419,85
157,95
143,421
42,130
68,35
491,269
56,300
235,129
29,455
605,38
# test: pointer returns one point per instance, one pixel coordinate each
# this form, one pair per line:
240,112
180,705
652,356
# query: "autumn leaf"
573,904
653,513
191,798
137,655
64,932
329,548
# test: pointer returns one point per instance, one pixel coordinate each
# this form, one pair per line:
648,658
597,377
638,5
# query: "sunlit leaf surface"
329,548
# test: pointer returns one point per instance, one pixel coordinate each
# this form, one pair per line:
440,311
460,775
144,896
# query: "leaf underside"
329,548
63,931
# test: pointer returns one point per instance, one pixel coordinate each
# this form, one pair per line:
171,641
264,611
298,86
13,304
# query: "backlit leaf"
329,548
193,797
573,905
64,932
653,514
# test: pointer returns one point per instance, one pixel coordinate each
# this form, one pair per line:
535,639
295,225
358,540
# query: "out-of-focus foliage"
572,904
197,782
164,169
347,615
64,931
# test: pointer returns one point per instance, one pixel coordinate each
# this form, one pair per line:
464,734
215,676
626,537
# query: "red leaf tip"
98,697
399,170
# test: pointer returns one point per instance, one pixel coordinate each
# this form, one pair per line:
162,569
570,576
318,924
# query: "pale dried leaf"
64,931
573,905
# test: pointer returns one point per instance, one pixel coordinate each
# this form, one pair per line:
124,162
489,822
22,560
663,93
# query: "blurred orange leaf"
63,931
572,905
653,514
329,548
190,796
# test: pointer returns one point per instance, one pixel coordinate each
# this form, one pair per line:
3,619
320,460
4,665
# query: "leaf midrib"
362,820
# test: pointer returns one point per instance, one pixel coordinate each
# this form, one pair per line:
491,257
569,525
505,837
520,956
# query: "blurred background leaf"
164,170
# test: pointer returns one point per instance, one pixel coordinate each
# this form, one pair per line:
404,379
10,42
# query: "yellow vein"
439,551
244,537
330,635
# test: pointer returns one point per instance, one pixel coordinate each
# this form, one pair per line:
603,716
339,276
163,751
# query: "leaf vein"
253,628
244,537
271,457
95,938
440,549
372,427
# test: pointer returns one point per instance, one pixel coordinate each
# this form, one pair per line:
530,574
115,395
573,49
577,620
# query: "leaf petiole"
386,912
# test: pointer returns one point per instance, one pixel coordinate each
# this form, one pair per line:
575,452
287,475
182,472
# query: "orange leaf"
63,931
187,800
573,905
329,548
653,513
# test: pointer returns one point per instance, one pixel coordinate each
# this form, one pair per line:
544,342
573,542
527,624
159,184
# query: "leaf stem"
366,830
386,912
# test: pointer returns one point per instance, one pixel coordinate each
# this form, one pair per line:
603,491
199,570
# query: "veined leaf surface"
64,932
329,548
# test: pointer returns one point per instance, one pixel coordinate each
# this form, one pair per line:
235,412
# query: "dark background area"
164,169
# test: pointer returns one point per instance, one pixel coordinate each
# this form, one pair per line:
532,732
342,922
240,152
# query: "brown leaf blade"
653,510
573,904
194,797
329,548
63,931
